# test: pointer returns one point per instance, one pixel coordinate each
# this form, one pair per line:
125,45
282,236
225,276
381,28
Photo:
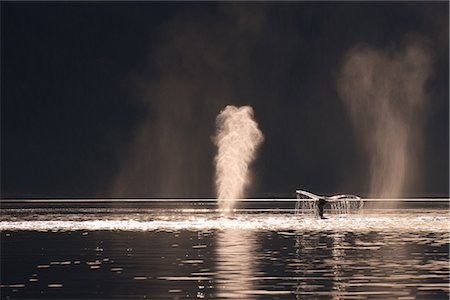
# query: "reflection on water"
139,254
234,263
338,254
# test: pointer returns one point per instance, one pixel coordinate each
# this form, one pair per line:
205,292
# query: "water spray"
237,139
384,91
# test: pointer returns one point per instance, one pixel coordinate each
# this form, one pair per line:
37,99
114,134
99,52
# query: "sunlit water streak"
204,219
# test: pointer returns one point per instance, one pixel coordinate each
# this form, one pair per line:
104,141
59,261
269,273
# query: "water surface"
199,253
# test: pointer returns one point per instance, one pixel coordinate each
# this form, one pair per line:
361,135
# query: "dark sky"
115,99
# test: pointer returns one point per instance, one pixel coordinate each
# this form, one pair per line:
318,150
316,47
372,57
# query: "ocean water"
122,251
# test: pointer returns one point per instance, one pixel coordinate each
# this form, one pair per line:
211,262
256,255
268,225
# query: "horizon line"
150,200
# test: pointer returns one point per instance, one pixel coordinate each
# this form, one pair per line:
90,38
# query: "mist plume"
190,76
237,139
385,95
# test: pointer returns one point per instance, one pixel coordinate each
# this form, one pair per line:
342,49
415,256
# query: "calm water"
197,253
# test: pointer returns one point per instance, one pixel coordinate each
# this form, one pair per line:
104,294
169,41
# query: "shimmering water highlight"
204,219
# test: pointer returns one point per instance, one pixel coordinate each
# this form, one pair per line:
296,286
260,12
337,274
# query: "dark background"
112,99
